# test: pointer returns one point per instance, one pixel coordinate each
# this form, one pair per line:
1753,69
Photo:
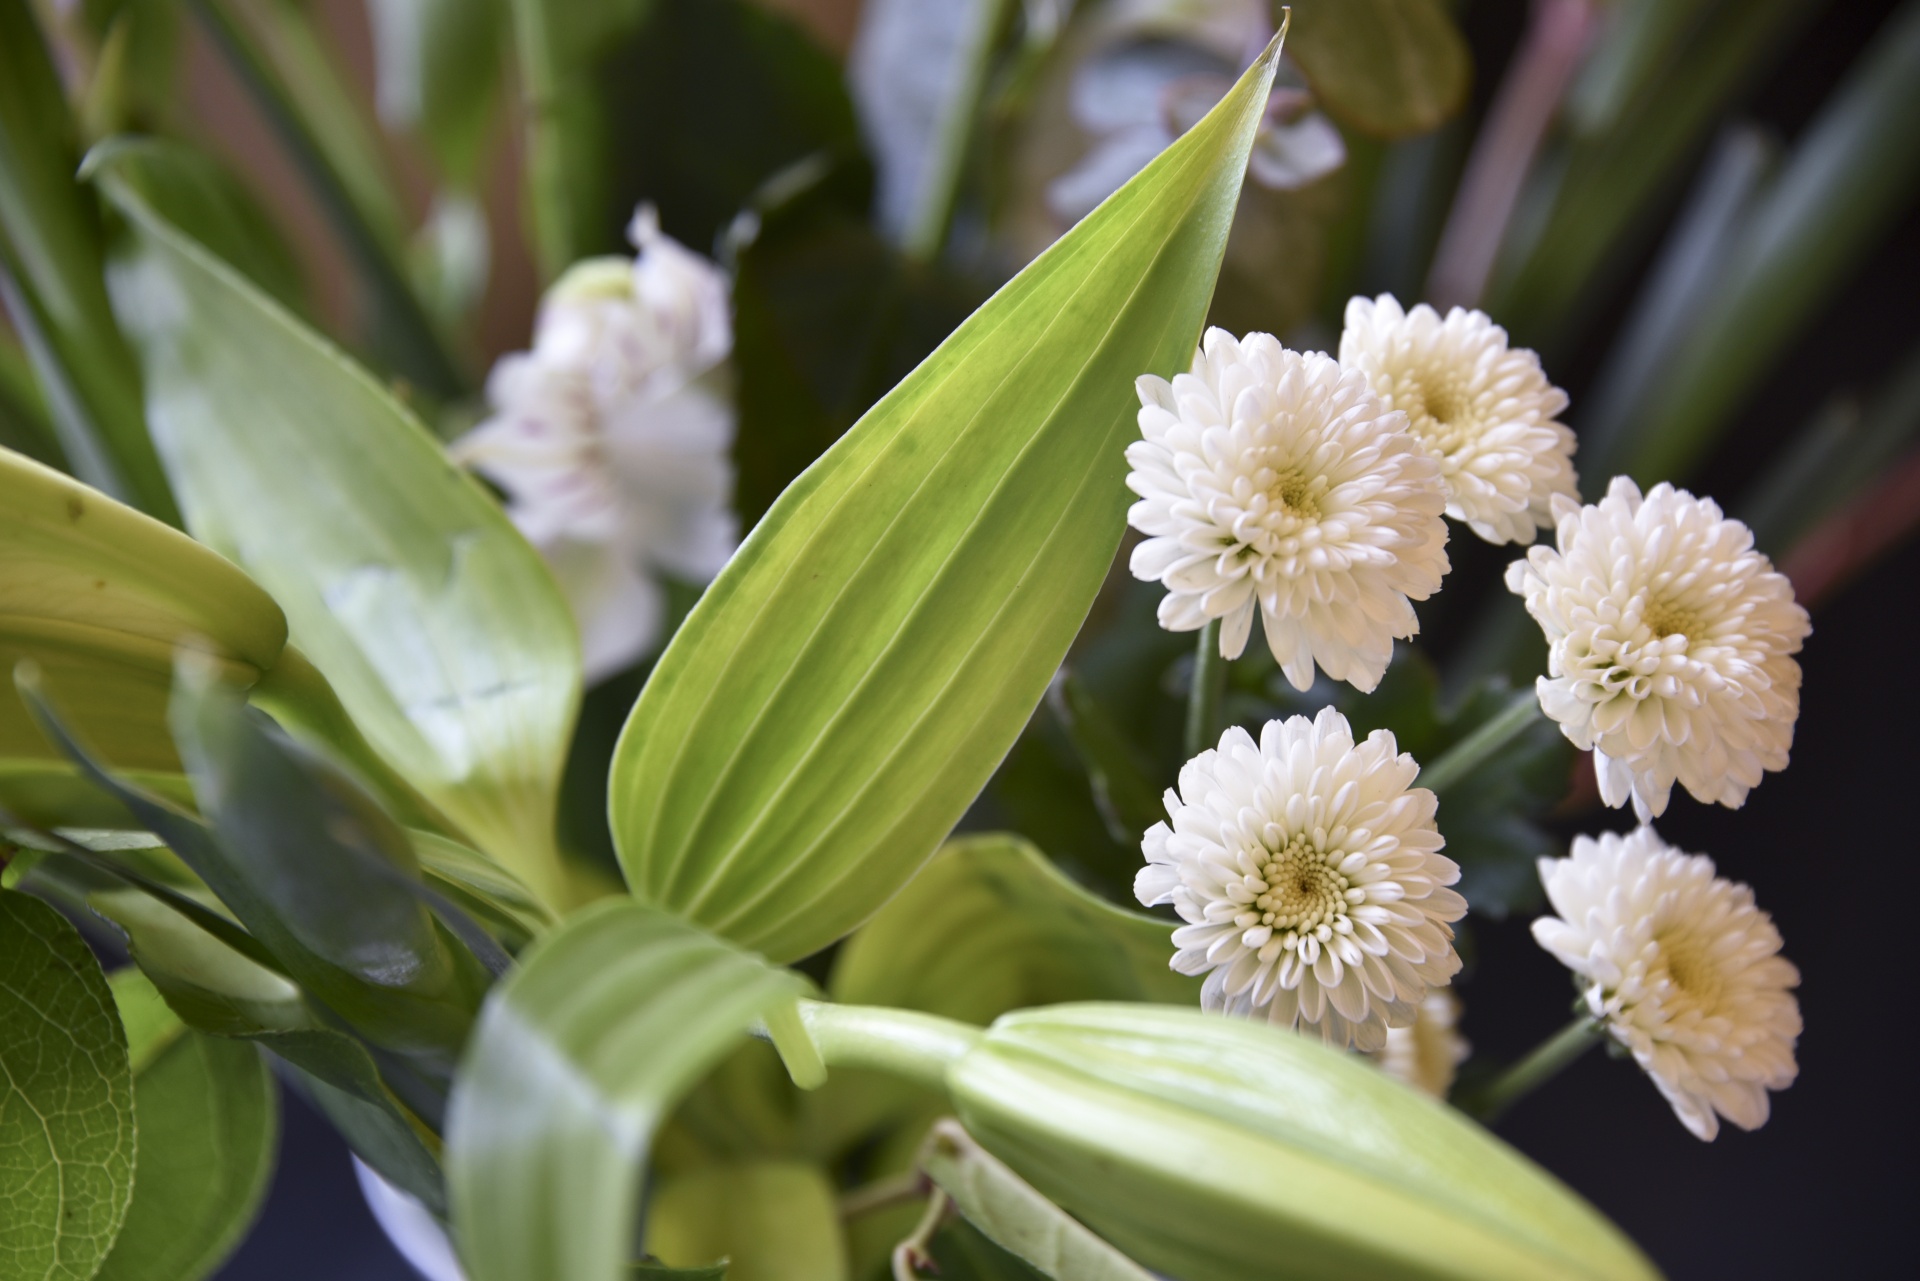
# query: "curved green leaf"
1219,1149
1390,68
848,684
99,596
66,1100
208,1118
437,625
991,926
578,1057
766,1220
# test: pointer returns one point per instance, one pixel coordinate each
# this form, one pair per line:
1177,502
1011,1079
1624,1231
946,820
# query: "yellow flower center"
1690,966
1304,889
1666,619
1297,495
1439,411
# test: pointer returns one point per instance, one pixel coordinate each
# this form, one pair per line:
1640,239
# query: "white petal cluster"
1427,1054
1276,482
1684,970
1484,410
1672,644
611,437
1309,874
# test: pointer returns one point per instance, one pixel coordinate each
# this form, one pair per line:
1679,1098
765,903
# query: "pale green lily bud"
1216,1149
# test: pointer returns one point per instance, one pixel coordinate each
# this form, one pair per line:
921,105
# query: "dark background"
1827,1187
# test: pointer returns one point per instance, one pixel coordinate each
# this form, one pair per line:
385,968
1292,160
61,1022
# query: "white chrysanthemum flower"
1309,874
1684,970
1277,482
1672,644
1484,410
1428,1053
611,437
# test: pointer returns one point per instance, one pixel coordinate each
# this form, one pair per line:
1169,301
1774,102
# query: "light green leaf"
208,1123
99,596
1201,1145
848,684
991,926
66,1100
55,794
1390,68
578,1057
50,279
438,626
767,1220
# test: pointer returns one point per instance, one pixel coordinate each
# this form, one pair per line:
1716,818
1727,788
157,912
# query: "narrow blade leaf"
849,683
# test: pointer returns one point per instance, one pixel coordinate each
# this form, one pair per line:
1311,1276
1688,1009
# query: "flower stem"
1467,755
1538,1067
918,1047
1203,696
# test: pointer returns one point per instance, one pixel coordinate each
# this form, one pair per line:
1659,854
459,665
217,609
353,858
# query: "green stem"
1540,1066
1467,755
918,1047
1203,697
794,1044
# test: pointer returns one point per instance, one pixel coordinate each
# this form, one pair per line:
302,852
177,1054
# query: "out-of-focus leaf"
1597,194
827,317
1008,1209
439,64
480,885
1193,1143
747,91
1637,40
25,427
1854,169
1390,68
962,1252
99,596
136,56
991,926
66,1099
852,678
661,1272
765,1220
56,794
1277,257
198,195
278,55
208,1123
217,991
438,626
578,1056
50,279
1129,803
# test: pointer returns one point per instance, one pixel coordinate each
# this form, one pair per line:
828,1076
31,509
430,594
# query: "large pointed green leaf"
990,926
99,596
209,1121
66,1100
848,684
578,1057
438,626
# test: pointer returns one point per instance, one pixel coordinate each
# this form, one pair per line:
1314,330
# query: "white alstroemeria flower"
1277,483
1484,410
1168,66
1671,645
1427,1053
611,437
1682,968
1309,874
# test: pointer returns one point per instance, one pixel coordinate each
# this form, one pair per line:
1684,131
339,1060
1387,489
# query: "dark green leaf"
578,1057
66,1100
850,681
208,1118
1129,803
1386,67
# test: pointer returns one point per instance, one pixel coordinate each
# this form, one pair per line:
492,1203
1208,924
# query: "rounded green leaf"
1217,1149
66,1100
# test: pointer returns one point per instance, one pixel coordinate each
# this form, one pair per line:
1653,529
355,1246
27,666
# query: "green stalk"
1541,1065
1457,762
916,1047
1204,695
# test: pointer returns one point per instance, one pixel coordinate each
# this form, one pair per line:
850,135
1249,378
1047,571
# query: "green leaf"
850,681
438,626
99,596
765,1220
66,1100
208,1124
661,1272
199,195
49,794
578,1057
1129,804
439,65
50,279
991,926
25,427
1385,67
1201,1146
